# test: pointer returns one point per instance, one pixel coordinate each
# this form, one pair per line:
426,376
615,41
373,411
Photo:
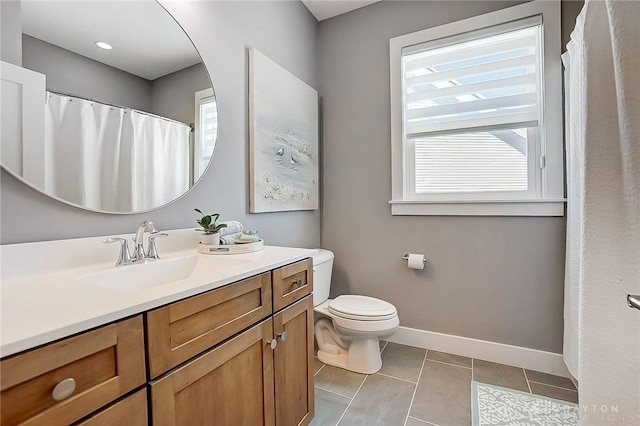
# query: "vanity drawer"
292,283
182,330
104,363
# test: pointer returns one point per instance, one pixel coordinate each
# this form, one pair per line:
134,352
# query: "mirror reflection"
118,114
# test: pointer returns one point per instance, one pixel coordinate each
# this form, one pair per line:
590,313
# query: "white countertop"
41,308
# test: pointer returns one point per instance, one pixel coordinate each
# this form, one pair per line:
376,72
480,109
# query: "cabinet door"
230,385
131,411
64,381
293,363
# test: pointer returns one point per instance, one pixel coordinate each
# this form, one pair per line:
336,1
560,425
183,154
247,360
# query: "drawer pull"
64,389
273,343
283,336
297,284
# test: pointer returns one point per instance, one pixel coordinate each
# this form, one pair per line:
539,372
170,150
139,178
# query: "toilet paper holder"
406,257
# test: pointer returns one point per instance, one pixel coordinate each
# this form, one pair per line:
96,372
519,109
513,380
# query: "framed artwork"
283,139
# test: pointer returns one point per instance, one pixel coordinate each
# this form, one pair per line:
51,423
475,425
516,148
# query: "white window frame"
548,197
199,164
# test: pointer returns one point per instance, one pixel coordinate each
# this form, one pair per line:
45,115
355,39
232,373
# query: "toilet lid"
362,308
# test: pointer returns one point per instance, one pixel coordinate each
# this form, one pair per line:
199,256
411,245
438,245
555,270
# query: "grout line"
333,392
453,365
423,421
416,388
553,386
384,347
319,370
472,369
350,402
397,378
526,378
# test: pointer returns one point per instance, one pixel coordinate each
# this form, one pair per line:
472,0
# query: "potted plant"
211,231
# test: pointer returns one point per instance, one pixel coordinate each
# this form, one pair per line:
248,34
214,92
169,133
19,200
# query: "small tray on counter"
230,248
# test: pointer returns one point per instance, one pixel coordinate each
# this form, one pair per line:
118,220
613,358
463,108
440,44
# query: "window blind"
471,107
485,82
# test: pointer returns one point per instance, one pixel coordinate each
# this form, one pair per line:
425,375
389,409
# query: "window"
476,116
206,131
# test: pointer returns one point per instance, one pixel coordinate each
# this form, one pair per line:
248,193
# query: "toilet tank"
322,267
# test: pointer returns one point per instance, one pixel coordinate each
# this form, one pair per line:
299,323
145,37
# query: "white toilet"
347,328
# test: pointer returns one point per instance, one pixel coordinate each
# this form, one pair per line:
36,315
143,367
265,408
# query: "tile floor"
418,387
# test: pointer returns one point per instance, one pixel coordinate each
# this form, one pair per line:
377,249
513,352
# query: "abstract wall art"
283,139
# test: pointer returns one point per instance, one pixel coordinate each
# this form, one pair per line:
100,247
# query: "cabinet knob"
273,343
283,336
64,389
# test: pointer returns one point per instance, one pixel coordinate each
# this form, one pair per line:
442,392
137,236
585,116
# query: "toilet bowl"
348,328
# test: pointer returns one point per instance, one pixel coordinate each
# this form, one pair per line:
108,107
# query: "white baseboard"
532,359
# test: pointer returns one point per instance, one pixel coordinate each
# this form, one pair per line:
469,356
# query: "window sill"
554,207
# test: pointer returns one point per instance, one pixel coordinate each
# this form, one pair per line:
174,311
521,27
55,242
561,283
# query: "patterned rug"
494,405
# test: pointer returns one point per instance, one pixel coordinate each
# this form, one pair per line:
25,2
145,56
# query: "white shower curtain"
160,161
602,334
113,159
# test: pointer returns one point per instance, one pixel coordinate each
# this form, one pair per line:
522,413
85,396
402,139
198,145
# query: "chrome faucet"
138,252
139,255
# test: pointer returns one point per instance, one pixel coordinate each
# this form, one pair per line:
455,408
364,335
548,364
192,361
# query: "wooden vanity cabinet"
104,364
241,354
262,376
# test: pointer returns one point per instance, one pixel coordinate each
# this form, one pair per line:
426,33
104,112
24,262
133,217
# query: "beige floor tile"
443,395
339,380
403,362
462,361
550,379
416,422
499,375
381,401
553,392
329,408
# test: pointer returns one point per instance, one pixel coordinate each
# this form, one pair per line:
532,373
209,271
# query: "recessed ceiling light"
103,45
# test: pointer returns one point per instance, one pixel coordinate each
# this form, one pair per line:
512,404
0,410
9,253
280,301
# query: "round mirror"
111,110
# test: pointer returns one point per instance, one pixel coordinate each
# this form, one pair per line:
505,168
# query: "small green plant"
208,223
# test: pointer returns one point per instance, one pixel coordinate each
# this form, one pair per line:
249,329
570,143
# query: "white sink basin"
145,275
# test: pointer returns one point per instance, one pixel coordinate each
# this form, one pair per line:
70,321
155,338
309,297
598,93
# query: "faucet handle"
124,257
152,251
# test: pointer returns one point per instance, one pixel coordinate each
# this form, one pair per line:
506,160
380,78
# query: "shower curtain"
602,335
113,159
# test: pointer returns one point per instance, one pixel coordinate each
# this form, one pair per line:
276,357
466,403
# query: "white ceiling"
146,40
325,9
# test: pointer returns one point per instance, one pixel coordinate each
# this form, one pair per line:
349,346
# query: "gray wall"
173,94
78,75
169,96
491,278
10,32
222,32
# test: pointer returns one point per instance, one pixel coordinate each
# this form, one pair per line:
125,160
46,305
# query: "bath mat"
495,405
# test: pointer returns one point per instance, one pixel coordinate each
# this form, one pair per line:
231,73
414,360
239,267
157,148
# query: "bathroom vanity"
229,344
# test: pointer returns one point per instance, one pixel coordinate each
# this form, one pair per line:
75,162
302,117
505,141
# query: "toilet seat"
362,308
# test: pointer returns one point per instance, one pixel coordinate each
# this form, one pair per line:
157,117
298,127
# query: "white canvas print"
283,117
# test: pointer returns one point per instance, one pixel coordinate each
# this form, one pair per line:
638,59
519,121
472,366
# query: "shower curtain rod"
190,125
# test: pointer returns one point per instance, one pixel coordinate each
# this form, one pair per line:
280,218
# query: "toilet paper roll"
416,261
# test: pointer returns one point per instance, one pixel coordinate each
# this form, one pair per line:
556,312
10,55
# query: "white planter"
210,239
